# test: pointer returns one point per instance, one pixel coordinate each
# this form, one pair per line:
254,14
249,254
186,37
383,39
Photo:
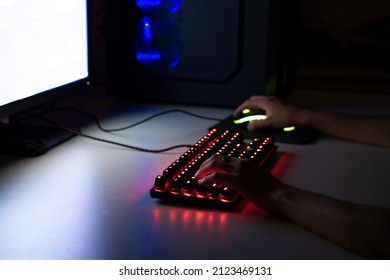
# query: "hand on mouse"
279,115
373,130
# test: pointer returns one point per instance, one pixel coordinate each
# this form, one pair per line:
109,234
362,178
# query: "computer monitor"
206,52
44,53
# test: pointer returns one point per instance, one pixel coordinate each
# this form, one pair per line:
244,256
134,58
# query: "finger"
256,101
216,163
239,109
209,166
245,104
249,104
215,178
256,125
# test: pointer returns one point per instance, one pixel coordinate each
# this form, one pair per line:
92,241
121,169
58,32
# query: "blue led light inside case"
148,56
159,6
158,42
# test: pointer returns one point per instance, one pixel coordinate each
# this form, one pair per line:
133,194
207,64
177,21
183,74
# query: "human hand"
279,114
251,181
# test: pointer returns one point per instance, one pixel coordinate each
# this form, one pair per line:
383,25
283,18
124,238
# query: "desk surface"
90,200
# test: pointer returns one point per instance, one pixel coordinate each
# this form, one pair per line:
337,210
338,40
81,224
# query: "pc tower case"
205,52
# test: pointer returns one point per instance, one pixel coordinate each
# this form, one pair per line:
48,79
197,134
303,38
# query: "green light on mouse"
289,128
250,118
246,111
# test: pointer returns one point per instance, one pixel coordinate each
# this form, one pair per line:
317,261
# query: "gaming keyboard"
177,181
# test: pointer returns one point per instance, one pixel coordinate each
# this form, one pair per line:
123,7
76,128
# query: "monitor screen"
44,53
43,46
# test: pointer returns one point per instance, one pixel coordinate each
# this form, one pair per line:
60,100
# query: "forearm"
374,130
359,228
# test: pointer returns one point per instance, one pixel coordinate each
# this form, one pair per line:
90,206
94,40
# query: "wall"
346,41
341,41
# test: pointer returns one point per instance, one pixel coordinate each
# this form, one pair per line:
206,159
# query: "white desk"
90,200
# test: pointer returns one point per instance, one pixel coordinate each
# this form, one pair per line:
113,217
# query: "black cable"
156,151
97,121
158,115
77,132
98,124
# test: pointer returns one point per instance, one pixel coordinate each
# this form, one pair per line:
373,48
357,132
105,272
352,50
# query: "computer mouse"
248,114
290,134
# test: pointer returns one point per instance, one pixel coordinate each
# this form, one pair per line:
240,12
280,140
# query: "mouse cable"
156,151
79,133
97,121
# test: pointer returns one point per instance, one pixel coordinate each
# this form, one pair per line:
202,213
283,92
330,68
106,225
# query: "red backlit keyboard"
177,182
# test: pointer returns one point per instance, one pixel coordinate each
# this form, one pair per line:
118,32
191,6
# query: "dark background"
344,45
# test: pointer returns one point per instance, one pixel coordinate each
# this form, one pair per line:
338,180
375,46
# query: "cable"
77,132
158,115
156,151
97,121
98,124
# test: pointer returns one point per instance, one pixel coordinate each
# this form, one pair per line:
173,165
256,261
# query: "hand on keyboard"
178,180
